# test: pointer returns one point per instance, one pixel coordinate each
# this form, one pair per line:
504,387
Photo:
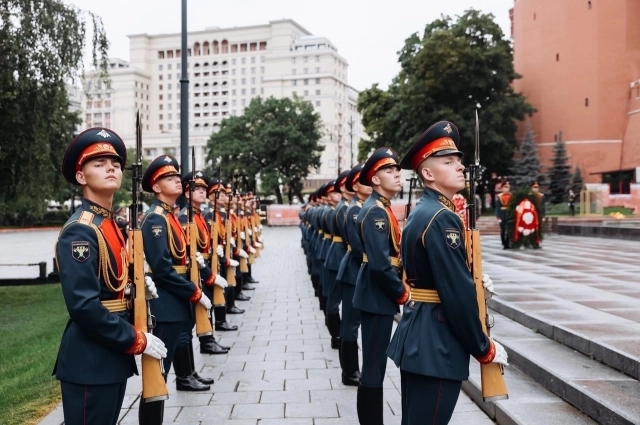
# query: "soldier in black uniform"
379,290
502,206
347,275
317,244
165,249
335,251
440,326
96,355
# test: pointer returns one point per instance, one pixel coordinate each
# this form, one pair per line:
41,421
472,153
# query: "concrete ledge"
597,231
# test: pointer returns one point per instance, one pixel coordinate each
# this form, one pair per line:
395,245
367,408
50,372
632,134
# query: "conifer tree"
559,173
526,169
577,182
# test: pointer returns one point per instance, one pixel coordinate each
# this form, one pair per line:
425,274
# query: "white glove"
220,281
252,250
200,260
155,347
257,244
501,354
249,232
233,263
260,239
206,302
150,288
233,241
255,229
244,254
260,227
242,236
487,283
219,251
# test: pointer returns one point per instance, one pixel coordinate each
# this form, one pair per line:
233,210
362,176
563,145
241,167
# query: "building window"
233,92
253,70
170,126
294,82
317,92
233,61
159,78
161,127
557,57
168,86
261,90
293,71
306,70
589,5
169,151
306,82
150,152
243,61
293,60
294,93
262,70
317,80
169,97
159,69
586,101
253,81
317,58
332,163
160,107
619,182
89,104
306,92
169,67
87,117
305,59
253,91
160,87
168,116
243,81
160,97
233,102
160,116
243,102
317,69
243,92
253,60
317,103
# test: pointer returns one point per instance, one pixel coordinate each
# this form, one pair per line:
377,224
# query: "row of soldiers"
96,355
358,256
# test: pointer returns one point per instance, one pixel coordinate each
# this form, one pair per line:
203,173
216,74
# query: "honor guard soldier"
208,277
317,243
379,289
96,355
335,252
254,235
232,260
347,275
165,249
219,198
502,206
440,326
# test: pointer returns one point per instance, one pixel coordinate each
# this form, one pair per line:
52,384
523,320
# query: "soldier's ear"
426,174
375,180
80,178
156,188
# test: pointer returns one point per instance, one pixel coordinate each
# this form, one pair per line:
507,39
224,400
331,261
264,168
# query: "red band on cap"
96,149
378,165
431,148
167,170
355,178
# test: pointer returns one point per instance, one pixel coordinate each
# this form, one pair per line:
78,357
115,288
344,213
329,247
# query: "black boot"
350,364
206,381
333,324
250,278
151,413
238,292
229,296
208,345
185,381
369,405
220,314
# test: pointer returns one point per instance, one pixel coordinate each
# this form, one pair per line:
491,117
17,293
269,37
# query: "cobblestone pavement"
281,368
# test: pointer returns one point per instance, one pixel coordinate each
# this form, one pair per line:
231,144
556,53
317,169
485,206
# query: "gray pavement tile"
258,411
243,397
305,348
307,384
284,356
187,399
268,349
285,374
244,375
300,396
287,421
316,409
306,364
266,365
261,385
205,413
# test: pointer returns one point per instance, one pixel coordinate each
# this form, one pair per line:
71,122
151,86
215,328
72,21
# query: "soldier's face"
506,188
169,186
103,174
199,195
446,172
388,179
362,190
334,197
223,198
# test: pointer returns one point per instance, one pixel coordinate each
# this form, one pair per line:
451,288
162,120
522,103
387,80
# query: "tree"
123,196
526,168
559,173
275,138
577,182
455,68
41,45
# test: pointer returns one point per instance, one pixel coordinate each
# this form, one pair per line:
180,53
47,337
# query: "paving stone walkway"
281,369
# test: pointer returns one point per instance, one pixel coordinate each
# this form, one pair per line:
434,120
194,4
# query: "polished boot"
229,295
151,413
333,324
349,362
220,314
238,292
208,345
250,278
185,381
369,405
206,381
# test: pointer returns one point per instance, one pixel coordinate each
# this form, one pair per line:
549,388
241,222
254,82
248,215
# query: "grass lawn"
32,319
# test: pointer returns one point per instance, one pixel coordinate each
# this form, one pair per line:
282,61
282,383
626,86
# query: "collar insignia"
104,134
166,207
101,211
446,202
452,236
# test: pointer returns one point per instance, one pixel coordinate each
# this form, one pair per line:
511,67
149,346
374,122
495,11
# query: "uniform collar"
381,198
96,209
168,208
434,194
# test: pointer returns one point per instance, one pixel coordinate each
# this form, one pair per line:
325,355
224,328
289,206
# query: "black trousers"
350,314
376,334
334,292
92,404
427,400
169,333
186,333
503,233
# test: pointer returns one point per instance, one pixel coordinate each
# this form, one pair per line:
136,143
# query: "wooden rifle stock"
218,293
244,268
249,235
154,387
203,318
231,271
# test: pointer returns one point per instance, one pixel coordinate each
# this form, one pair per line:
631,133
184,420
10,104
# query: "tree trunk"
278,194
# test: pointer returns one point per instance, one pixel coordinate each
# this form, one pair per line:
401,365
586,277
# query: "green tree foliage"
559,172
526,167
41,46
577,182
455,68
276,138
123,196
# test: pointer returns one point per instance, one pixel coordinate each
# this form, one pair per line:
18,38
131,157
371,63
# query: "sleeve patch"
452,236
80,251
355,218
157,231
380,224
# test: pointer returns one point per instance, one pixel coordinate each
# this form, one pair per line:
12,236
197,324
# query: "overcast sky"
368,33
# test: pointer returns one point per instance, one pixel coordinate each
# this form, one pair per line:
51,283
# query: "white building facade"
226,68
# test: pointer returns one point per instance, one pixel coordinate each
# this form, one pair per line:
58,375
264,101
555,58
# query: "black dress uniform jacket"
352,260
378,286
437,339
164,248
336,225
96,343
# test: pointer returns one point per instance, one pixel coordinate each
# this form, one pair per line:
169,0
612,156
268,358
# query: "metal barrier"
42,267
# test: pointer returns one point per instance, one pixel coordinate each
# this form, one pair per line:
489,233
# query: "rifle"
407,208
218,292
203,317
244,268
492,374
231,271
248,223
154,387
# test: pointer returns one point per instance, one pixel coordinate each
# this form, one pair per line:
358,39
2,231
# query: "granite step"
529,403
603,393
603,335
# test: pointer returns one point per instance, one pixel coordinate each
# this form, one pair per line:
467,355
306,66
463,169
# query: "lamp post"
351,138
184,97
